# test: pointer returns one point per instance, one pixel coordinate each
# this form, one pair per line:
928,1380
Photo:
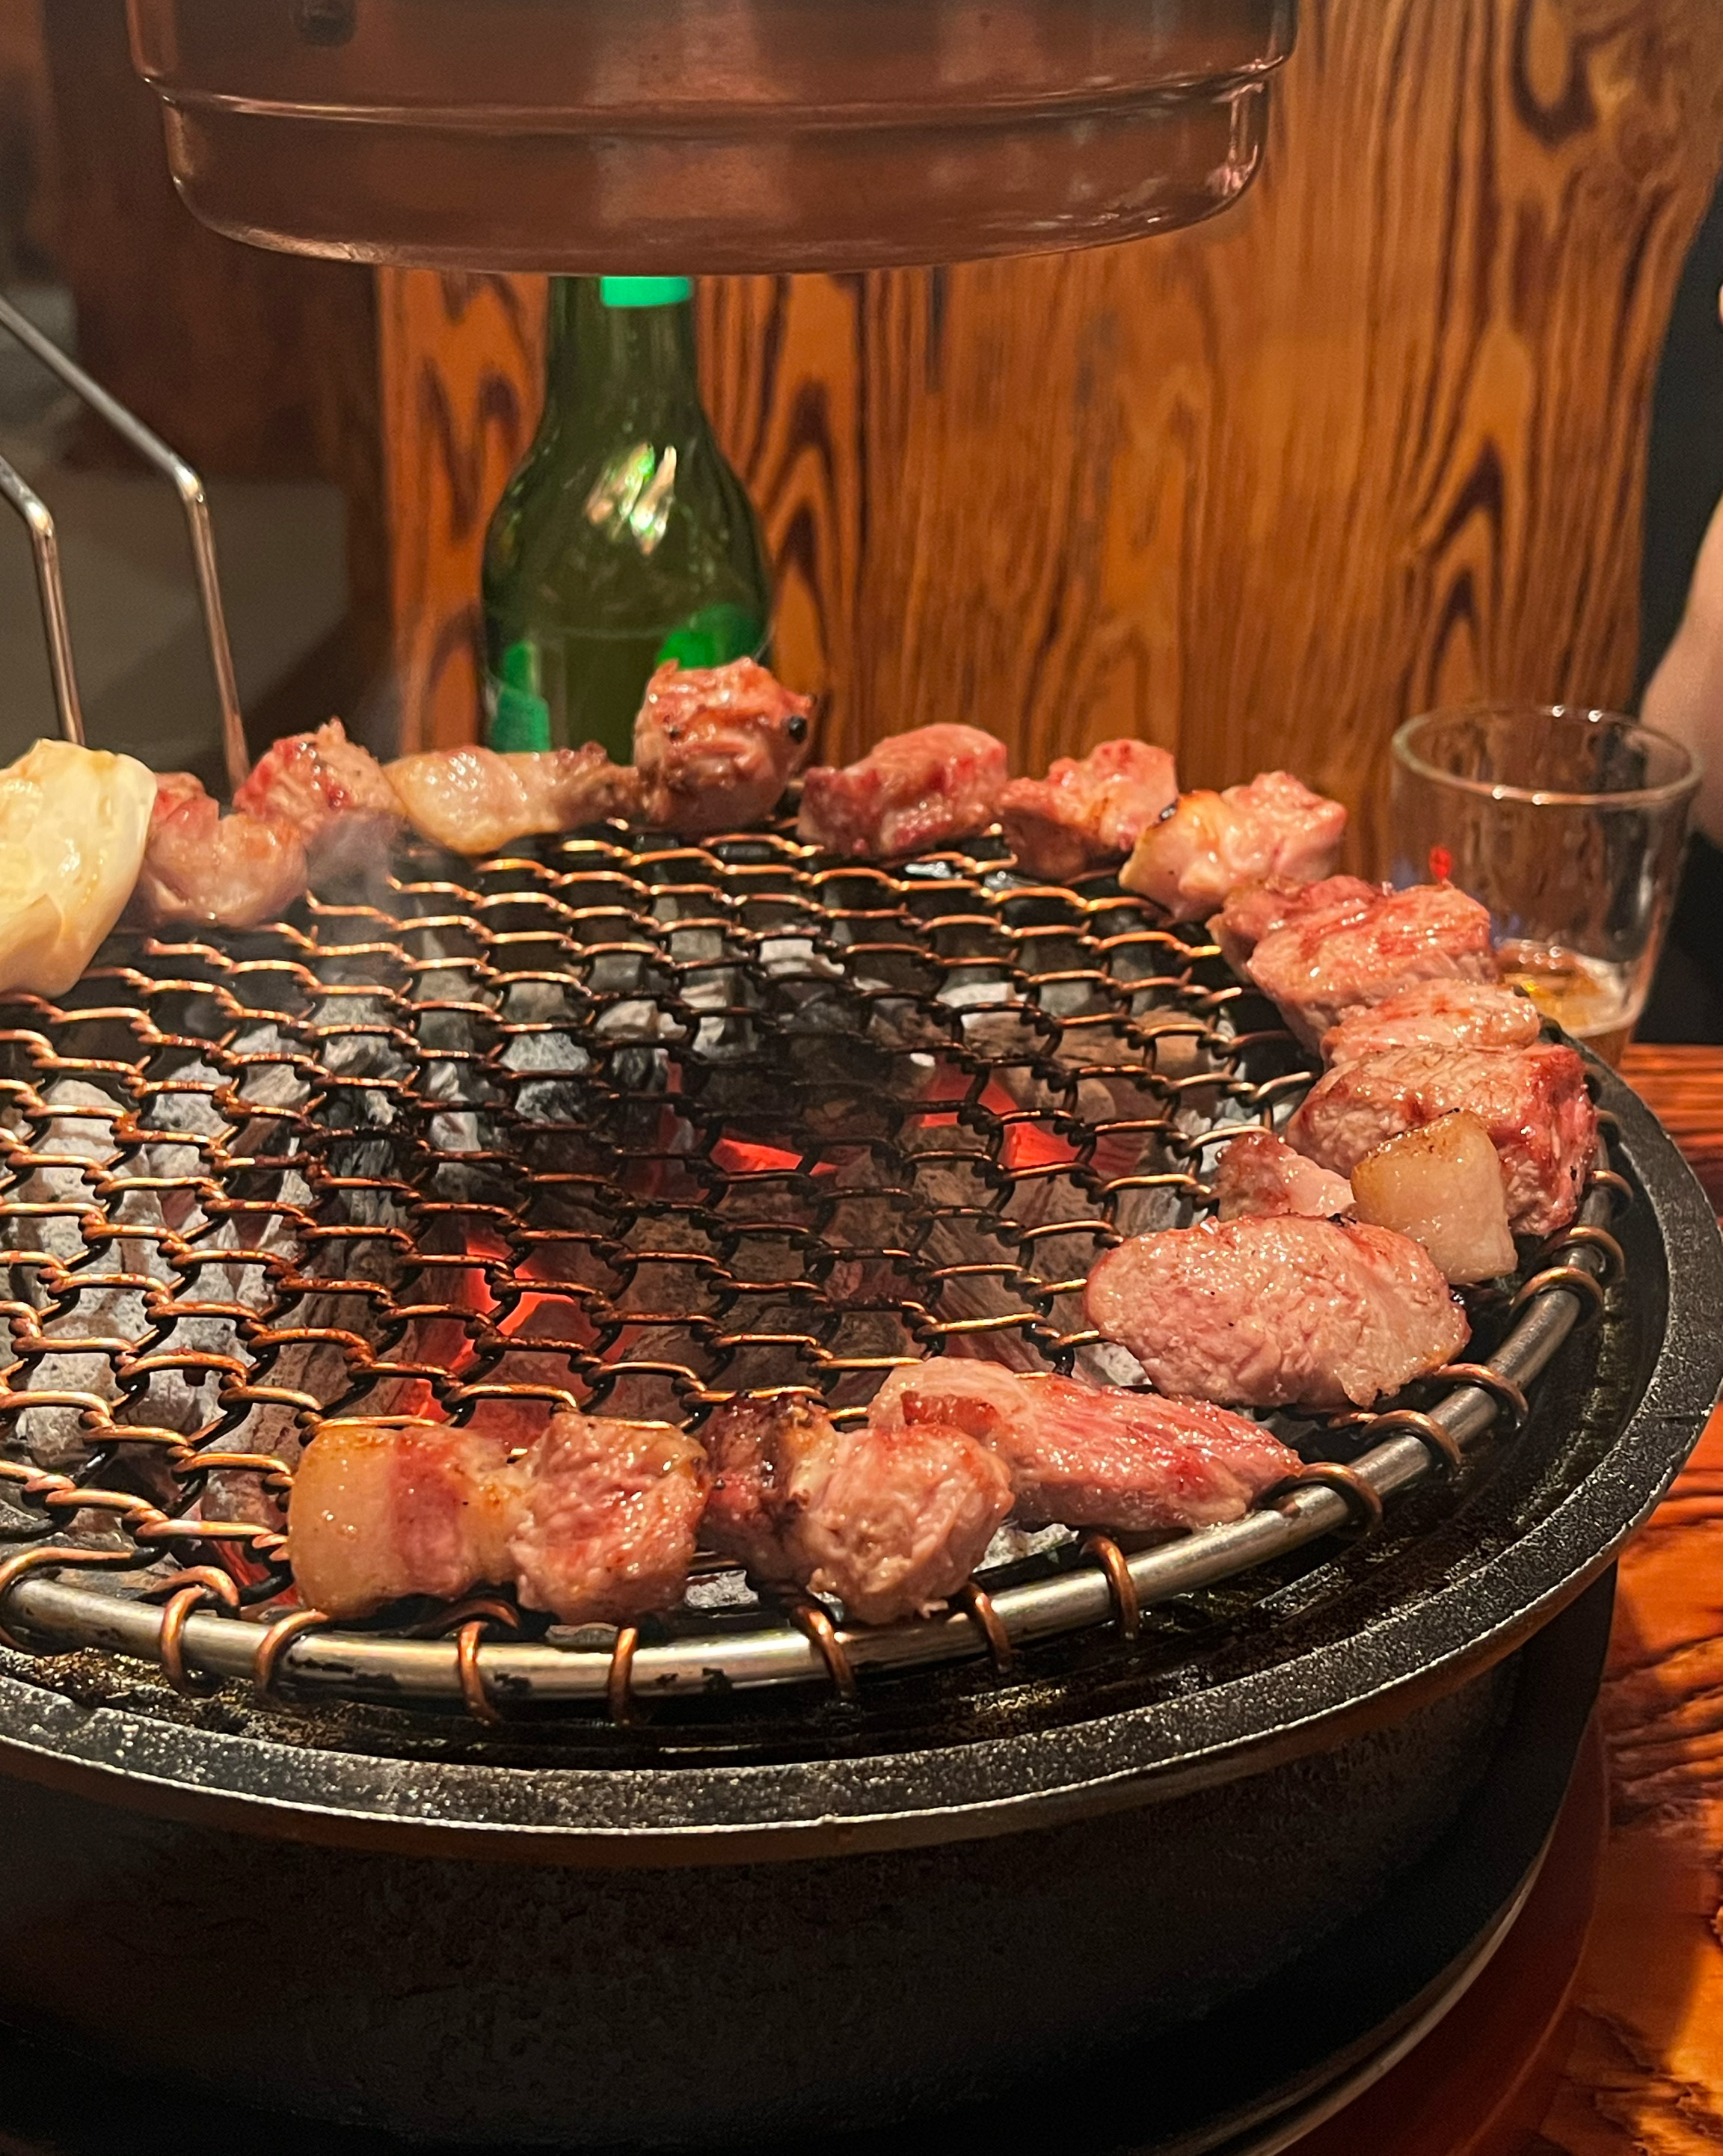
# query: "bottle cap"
644,291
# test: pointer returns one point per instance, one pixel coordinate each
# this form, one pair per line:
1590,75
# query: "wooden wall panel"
460,360
1373,439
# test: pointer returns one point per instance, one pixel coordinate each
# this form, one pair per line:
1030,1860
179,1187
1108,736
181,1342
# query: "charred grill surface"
628,1125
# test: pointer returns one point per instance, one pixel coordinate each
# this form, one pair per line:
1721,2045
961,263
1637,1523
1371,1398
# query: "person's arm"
1685,697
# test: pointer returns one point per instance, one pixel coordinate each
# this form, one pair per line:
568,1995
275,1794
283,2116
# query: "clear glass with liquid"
1570,826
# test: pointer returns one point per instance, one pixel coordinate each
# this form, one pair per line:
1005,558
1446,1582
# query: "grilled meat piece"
378,1513
891,1521
1190,860
1279,1312
912,791
612,1512
73,826
1256,909
1532,1102
595,1523
1442,1185
474,800
1439,1013
233,871
1092,1455
332,792
1088,811
715,746
1322,967
1260,1174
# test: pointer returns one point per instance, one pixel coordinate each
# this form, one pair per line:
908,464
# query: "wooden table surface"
1645,2070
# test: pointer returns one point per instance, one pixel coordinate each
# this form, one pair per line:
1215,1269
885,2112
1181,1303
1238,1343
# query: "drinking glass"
1569,824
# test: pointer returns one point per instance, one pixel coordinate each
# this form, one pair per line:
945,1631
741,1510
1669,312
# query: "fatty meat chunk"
1532,1102
1273,827
715,746
1088,811
1278,1312
911,792
73,823
476,800
1439,1014
1442,1185
1260,1174
1322,967
380,1512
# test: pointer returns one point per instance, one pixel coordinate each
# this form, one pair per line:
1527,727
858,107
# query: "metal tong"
50,585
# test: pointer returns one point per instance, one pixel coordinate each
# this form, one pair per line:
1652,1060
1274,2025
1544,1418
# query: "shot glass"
1569,824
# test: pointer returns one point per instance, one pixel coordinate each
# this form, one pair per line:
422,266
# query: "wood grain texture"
1644,2075
1372,440
460,361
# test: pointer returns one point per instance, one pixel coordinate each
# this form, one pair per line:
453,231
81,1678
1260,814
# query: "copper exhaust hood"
643,136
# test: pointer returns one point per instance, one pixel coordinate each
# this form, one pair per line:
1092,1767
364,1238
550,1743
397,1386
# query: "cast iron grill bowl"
637,1125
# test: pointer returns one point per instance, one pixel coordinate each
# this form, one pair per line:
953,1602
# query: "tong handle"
193,498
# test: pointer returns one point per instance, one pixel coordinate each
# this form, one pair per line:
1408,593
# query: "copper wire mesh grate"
617,1124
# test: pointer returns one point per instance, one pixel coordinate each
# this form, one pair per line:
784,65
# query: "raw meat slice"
910,791
1087,813
1322,969
715,746
1439,1014
1277,1312
1261,1174
1190,860
1532,1102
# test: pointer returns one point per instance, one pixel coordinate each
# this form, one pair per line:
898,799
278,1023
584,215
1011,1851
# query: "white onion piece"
1442,1185
73,826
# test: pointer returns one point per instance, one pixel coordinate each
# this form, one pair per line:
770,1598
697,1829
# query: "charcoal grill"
621,1122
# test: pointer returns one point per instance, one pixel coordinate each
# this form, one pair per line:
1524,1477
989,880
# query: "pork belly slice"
1277,1312
377,1513
1532,1102
1087,812
1261,1174
230,871
612,1512
333,794
1439,1014
1256,909
910,791
892,1521
715,746
474,800
1442,1185
1320,968
1090,1456
1190,860
595,1522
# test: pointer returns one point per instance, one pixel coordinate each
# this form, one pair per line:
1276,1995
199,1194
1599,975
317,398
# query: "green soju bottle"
624,538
